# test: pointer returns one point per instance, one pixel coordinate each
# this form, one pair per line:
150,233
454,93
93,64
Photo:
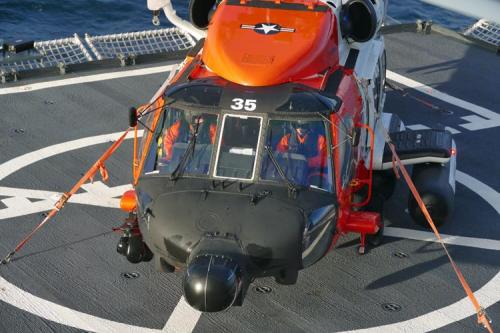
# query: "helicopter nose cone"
212,283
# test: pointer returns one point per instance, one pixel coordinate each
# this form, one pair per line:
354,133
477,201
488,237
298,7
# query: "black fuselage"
261,229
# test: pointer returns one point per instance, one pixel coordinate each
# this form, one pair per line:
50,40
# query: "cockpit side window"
150,118
300,147
238,147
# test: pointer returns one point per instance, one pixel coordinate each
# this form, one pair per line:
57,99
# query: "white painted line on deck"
425,236
15,204
452,130
18,203
487,119
487,295
22,161
87,79
417,127
59,314
488,194
184,319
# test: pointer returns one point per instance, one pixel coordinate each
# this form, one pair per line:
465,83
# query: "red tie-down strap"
482,317
89,175
103,172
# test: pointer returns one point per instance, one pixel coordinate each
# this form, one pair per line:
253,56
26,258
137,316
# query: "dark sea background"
51,19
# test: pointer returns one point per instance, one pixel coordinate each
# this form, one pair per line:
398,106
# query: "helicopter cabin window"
183,143
298,149
238,147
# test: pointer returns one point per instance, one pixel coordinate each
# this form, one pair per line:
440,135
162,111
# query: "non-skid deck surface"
71,275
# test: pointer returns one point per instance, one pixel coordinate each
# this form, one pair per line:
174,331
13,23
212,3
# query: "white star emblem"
267,28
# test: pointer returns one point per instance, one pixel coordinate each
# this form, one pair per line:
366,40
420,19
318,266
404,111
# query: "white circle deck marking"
184,318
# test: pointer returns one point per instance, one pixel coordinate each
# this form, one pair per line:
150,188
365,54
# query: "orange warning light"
128,202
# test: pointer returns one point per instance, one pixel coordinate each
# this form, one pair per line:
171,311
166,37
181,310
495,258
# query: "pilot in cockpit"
305,139
302,152
205,127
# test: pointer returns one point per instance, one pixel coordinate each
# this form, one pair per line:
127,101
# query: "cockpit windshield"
203,131
300,148
177,131
238,147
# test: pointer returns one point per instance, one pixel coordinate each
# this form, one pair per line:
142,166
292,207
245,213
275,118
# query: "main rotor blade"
486,9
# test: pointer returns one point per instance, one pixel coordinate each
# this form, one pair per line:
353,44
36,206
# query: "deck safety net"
47,54
485,31
74,50
139,43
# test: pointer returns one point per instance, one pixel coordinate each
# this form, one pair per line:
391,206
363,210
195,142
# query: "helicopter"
267,145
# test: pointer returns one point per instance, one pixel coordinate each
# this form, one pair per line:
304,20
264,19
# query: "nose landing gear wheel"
122,245
148,254
135,250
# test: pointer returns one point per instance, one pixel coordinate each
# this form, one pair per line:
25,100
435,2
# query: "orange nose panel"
256,46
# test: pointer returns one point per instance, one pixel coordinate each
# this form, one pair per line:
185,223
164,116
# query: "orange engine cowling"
263,43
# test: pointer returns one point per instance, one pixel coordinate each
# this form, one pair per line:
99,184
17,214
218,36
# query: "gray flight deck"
73,263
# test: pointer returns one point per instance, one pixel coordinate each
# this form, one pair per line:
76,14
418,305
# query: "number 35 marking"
246,104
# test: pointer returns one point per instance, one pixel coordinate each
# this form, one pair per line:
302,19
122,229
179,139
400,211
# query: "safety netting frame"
139,43
48,54
74,50
486,31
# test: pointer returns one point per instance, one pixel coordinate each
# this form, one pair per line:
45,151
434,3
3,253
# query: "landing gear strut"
376,205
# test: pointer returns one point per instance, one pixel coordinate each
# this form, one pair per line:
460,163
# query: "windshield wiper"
179,170
292,188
